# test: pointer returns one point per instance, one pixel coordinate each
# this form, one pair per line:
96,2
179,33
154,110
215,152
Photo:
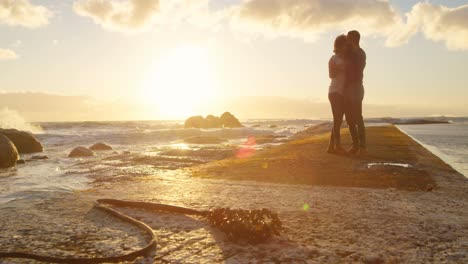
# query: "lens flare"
247,149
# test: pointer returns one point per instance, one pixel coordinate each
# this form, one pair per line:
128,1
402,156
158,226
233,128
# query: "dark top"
356,64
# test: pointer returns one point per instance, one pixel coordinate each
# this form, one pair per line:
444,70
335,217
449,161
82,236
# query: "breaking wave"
12,119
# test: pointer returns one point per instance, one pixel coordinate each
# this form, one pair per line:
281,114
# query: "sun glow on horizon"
181,82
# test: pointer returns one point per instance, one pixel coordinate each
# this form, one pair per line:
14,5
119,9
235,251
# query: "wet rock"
24,142
81,152
8,153
21,161
100,146
204,140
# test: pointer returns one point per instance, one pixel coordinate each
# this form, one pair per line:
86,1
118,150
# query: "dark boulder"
81,152
212,121
226,120
100,146
195,122
24,142
229,120
8,153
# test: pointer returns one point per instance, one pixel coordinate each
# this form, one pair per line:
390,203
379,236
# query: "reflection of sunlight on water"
38,178
179,146
403,165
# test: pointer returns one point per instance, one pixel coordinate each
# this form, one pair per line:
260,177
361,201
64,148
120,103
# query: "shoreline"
323,223
434,150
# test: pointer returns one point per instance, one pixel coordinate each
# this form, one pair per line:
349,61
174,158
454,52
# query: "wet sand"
334,209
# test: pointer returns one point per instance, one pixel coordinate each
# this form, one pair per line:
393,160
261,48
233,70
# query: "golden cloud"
23,13
303,19
440,23
6,54
308,19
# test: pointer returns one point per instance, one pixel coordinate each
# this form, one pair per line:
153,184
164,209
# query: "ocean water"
145,148
448,141
140,148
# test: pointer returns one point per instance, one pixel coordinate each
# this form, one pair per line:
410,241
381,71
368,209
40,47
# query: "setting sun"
183,80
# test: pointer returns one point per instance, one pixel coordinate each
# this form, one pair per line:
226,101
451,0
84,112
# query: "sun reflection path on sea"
180,146
247,149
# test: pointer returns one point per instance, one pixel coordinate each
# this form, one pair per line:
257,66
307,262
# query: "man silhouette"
354,93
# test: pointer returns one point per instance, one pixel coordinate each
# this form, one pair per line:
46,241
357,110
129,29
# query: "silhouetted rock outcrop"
24,142
211,121
81,152
100,146
195,122
229,120
8,153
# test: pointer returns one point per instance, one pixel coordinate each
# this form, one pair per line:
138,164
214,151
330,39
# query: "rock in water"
24,142
8,153
211,121
195,122
100,146
229,120
81,152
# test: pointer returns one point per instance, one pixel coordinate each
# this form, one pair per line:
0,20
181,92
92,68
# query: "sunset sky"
187,54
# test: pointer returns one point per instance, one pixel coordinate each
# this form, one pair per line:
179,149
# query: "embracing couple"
346,93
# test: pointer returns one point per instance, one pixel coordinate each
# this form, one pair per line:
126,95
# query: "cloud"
135,16
308,19
303,19
6,54
23,13
127,16
440,23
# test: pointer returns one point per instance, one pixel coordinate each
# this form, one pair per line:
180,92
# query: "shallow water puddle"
375,164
